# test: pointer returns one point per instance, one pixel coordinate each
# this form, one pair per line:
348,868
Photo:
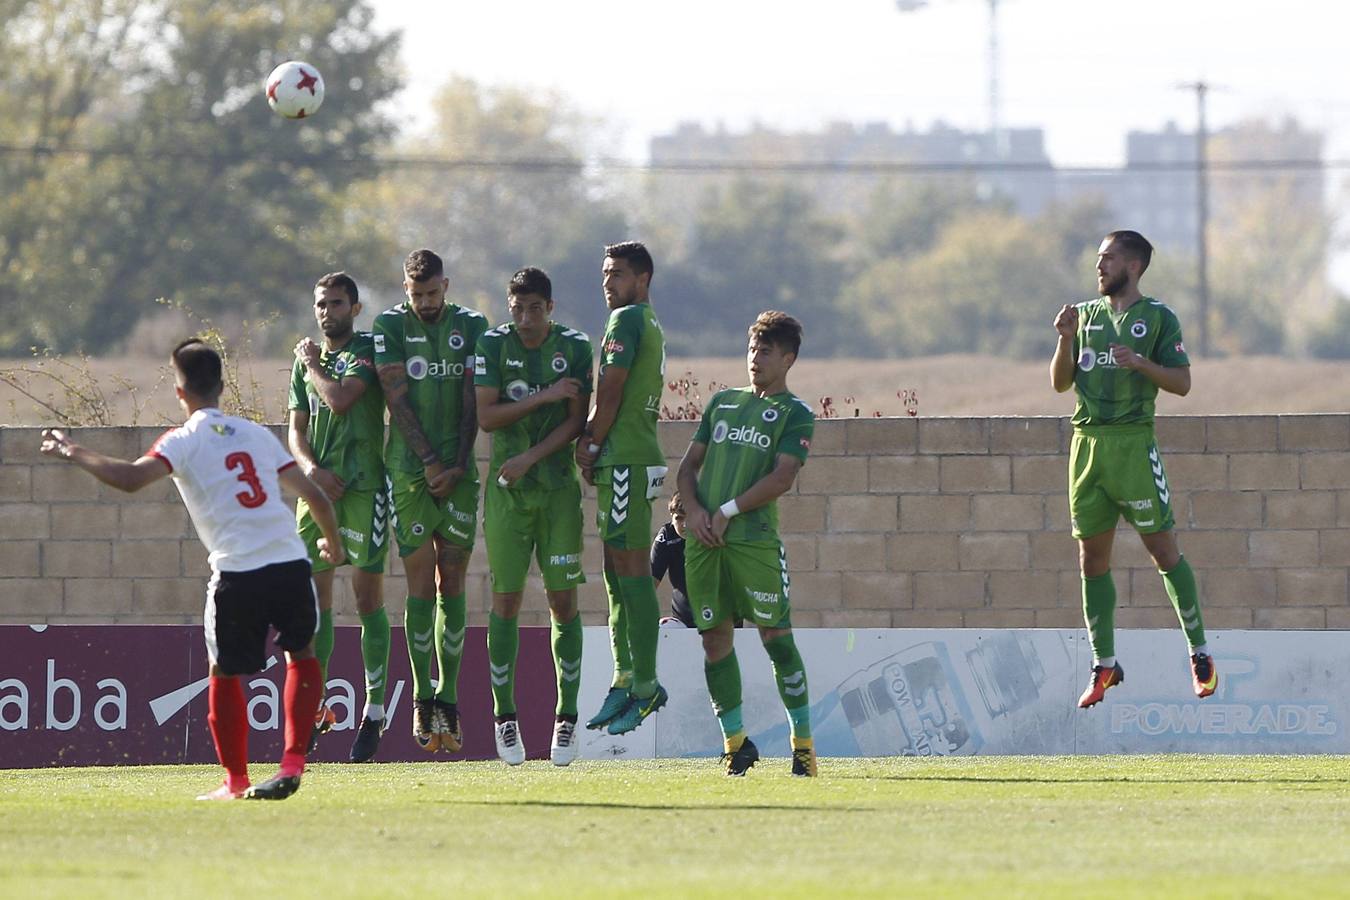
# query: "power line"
682,165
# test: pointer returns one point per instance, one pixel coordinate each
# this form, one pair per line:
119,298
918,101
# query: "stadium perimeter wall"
894,522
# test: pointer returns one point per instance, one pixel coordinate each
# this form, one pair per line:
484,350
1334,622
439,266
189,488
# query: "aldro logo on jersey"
745,435
1090,359
518,390
418,368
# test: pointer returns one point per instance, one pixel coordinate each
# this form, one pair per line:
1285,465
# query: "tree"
503,186
141,161
757,245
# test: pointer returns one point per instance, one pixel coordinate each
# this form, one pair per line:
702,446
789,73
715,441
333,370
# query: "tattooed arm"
394,380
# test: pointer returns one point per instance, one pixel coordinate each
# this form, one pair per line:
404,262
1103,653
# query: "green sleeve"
1170,351
299,397
583,365
796,440
622,337
703,435
363,365
388,337
486,365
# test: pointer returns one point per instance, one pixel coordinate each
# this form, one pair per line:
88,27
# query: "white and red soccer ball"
295,89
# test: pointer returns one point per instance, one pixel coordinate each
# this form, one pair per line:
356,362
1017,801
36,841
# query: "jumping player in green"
619,453
336,435
746,454
533,381
424,353
1117,351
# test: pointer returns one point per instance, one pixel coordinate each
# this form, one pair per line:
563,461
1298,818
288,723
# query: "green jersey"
437,357
744,435
633,341
516,371
1109,394
348,445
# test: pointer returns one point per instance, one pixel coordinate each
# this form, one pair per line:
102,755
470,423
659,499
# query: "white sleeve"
174,447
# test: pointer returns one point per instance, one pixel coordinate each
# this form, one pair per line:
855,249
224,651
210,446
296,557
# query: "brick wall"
893,522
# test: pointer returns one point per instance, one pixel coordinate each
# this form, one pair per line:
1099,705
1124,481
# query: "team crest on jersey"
770,415
417,367
559,363
1139,329
456,341
340,366
1181,348
707,614
417,529
480,366
379,342
805,442
518,390
223,430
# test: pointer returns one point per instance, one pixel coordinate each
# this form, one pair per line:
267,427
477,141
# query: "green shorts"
623,505
1116,470
418,515
519,521
363,521
748,581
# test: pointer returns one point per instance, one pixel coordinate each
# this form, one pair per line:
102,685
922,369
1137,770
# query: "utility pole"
1201,89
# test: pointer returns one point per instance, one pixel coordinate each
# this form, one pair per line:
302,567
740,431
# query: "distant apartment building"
1155,192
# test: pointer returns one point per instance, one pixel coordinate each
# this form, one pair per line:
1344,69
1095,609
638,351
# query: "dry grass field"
138,391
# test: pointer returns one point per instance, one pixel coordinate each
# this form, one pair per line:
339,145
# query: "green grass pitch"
1192,826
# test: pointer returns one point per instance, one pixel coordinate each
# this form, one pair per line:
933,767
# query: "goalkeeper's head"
196,373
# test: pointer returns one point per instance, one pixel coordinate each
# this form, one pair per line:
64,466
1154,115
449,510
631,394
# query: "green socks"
323,645
791,677
419,624
375,653
503,640
618,632
643,610
567,663
450,617
1180,584
724,689
1099,611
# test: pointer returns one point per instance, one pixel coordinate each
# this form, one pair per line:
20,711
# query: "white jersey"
226,470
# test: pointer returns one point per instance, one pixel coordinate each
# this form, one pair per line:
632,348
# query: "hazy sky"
1087,71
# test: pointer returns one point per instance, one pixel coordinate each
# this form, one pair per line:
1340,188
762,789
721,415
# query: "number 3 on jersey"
255,496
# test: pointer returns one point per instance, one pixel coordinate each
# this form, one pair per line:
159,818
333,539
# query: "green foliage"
191,186
1329,338
757,245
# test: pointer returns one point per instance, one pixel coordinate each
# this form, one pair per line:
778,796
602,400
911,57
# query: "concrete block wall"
892,523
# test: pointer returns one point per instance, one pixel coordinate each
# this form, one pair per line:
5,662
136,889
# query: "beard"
1114,285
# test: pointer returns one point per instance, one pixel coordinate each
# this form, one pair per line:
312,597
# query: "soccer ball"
295,89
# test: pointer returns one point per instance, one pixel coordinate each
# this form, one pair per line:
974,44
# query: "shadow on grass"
666,807
1104,779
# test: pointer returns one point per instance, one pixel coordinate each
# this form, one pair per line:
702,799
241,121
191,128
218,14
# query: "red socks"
304,690
229,727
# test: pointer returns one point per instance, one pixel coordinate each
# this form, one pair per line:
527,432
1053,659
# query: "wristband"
593,449
501,479
730,509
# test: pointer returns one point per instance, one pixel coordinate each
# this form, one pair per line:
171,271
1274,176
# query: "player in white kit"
230,472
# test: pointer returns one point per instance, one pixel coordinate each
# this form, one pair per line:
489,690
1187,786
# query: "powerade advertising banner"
888,692
128,694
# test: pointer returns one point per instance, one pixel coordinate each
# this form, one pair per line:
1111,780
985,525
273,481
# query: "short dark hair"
199,368
636,254
676,505
1135,245
530,280
779,329
340,280
423,265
